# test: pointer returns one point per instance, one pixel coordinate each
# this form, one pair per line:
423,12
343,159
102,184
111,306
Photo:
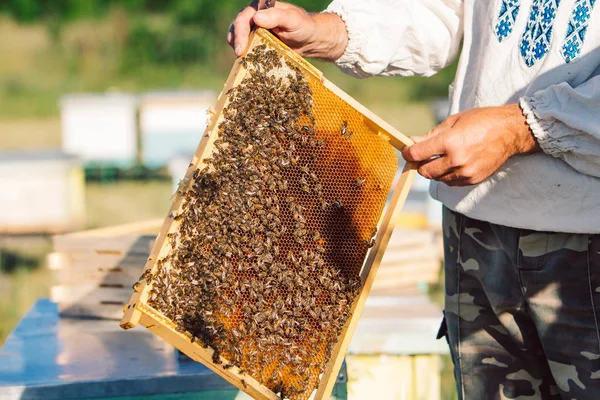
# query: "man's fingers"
241,30
276,18
434,132
230,35
435,168
283,5
425,150
418,139
439,129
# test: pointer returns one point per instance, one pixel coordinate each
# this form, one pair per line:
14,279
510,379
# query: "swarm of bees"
247,274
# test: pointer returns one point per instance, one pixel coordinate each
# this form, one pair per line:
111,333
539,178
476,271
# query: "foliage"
199,12
136,45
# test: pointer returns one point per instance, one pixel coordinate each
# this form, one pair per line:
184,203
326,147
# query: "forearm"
521,137
330,38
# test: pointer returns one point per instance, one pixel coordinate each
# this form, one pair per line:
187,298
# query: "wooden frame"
138,311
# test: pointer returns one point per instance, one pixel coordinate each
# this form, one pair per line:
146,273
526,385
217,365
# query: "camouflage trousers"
522,311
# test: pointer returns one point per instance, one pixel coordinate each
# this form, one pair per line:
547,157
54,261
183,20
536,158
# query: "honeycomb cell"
266,250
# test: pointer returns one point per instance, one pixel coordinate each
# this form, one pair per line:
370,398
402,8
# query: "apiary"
271,246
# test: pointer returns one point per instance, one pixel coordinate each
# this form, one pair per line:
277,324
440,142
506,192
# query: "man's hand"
318,35
470,146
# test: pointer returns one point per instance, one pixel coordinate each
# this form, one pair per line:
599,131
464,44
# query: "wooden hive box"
354,162
95,269
413,257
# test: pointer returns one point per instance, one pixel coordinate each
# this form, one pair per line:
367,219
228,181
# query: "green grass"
92,55
29,133
22,278
123,202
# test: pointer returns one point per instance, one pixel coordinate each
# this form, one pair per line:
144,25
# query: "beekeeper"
516,165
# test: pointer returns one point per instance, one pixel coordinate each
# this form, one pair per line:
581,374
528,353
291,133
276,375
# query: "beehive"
277,266
95,269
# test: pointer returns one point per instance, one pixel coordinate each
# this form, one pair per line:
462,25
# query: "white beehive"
171,124
42,192
100,128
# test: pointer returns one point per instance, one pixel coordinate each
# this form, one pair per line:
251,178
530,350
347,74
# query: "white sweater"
544,54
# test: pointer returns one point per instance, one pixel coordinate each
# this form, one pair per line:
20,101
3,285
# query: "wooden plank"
113,277
92,310
405,280
92,260
56,260
91,294
406,291
119,245
90,301
402,238
409,268
149,227
396,257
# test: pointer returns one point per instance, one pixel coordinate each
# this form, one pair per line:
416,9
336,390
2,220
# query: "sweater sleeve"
399,37
566,122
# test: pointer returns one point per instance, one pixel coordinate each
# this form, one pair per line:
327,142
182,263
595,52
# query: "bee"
147,276
344,128
337,204
359,182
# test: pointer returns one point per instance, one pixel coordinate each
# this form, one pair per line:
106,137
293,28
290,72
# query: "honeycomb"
265,253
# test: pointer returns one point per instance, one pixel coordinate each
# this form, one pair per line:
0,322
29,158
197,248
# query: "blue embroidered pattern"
578,24
506,20
538,34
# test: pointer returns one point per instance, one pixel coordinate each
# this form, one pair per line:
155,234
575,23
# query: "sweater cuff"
550,133
356,37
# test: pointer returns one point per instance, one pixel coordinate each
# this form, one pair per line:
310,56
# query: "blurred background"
102,104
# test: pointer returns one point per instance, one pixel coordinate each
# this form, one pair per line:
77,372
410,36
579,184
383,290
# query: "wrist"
329,39
524,142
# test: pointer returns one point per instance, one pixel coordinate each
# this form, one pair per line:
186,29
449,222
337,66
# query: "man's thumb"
269,18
